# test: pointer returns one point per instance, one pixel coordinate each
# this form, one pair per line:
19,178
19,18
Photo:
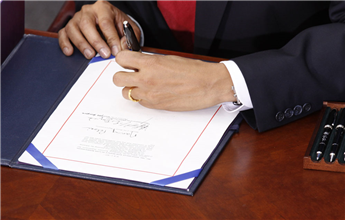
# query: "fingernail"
87,53
114,50
104,52
65,50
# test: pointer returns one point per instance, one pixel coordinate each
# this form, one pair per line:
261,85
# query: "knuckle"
61,32
102,3
80,46
84,23
111,40
85,8
96,43
62,38
106,23
70,26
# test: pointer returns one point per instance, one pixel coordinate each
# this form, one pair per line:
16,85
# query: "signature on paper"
121,126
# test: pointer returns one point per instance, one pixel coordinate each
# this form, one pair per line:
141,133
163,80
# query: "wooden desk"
257,176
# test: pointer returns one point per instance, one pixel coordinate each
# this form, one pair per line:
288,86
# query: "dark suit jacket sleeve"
308,70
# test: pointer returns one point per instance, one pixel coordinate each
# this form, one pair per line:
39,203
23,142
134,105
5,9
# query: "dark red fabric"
180,17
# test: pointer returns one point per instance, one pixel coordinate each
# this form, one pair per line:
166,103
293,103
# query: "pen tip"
318,155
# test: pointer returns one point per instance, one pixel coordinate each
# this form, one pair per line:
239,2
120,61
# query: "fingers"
64,43
73,33
125,79
134,60
105,20
130,60
108,29
96,28
82,31
87,26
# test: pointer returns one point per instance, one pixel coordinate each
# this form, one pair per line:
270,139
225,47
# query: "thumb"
124,44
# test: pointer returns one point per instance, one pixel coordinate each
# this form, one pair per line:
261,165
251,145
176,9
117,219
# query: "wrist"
223,84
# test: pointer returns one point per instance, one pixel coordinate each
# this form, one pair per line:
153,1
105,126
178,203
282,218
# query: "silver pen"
132,41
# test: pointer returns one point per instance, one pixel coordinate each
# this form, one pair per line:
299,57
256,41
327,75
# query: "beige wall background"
40,14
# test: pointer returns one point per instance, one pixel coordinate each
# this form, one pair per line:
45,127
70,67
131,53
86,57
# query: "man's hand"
173,83
82,31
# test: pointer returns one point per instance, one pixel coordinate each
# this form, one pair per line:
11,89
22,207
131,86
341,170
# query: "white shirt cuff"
240,88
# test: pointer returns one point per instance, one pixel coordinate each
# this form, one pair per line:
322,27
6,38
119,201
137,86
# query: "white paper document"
94,130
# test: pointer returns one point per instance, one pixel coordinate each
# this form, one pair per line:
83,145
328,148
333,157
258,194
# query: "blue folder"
34,79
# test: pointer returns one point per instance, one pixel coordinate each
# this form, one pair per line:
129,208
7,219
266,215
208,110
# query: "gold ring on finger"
130,96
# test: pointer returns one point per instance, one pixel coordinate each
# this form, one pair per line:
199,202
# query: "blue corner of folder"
99,58
35,153
177,178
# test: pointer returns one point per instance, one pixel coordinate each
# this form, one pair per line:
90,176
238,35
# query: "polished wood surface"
257,176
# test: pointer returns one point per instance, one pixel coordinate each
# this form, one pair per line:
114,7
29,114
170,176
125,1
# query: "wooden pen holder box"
309,160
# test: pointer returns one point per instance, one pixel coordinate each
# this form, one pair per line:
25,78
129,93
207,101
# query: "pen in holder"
326,150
